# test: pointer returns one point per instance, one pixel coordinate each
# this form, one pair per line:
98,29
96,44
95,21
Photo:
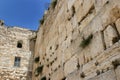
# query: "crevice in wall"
82,75
47,59
71,40
98,72
64,78
55,70
55,58
96,63
48,65
114,26
56,47
50,47
53,53
103,40
73,11
107,2
78,65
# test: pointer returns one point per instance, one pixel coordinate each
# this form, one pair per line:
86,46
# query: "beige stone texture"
59,38
9,39
109,35
74,76
97,45
70,65
109,75
58,75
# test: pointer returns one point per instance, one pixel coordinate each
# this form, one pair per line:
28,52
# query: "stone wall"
15,42
79,40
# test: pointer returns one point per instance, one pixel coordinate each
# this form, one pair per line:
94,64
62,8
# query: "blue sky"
23,13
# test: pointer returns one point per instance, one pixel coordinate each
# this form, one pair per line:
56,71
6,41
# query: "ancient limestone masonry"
16,53
79,40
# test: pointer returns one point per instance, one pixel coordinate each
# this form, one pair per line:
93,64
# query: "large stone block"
96,49
110,35
70,65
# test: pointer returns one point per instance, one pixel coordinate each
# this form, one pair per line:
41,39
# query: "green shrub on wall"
53,4
36,59
86,41
42,21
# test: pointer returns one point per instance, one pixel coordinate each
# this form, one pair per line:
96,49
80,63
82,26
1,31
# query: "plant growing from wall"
43,78
38,70
36,59
53,4
86,41
42,21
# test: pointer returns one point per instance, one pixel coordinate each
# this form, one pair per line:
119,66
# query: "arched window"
19,44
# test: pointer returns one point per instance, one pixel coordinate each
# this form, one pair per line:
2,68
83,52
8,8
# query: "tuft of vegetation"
54,3
86,41
43,78
42,21
38,70
37,59
115,63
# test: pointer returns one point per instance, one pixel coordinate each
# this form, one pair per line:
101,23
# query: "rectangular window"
17,62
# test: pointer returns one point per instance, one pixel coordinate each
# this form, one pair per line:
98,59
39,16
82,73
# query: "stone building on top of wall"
16,52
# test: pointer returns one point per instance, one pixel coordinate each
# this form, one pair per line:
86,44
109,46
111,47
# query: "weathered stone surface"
117,71
95,49
110,35
109,75
66,26
58,75
74,76
100,4
70,65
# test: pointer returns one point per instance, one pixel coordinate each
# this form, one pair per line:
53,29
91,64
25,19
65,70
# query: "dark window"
17,62
19,44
